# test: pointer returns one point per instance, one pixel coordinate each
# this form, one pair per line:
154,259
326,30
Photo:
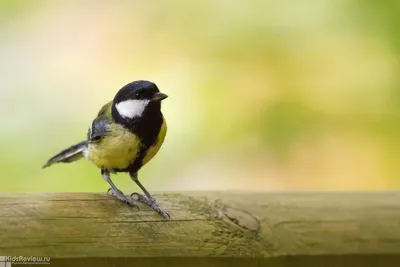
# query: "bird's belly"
114,152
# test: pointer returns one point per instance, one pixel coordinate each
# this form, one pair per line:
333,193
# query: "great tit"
126,134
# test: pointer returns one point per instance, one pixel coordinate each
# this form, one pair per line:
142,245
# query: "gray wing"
99,129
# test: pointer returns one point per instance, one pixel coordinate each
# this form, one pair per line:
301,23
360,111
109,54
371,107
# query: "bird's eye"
136,95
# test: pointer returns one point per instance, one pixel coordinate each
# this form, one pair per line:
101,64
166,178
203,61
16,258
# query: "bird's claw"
108,192
143,199
151,202
118,194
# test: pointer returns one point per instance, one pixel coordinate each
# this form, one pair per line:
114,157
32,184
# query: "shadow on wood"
206,229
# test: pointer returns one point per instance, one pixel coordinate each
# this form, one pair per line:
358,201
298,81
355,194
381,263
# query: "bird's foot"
151,202
118,194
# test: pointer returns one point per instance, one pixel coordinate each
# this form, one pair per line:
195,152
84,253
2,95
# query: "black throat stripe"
147,128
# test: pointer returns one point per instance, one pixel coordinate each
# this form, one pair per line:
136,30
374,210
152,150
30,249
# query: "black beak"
159,96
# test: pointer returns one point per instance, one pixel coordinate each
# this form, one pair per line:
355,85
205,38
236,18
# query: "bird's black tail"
70,154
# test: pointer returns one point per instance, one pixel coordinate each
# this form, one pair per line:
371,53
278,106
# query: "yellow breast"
120,147
116,150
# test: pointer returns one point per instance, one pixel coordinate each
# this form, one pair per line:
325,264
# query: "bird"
126,134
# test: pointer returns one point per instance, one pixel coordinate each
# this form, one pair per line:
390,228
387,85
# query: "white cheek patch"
131,108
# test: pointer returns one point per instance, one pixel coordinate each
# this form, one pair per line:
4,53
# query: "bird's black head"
133,99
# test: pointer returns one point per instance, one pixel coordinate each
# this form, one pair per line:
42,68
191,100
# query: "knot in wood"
242,219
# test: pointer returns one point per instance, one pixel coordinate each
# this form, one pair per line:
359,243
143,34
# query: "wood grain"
203,225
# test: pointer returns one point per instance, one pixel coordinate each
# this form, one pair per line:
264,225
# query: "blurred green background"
264,95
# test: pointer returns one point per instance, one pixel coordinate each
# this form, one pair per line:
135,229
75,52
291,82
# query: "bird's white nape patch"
131,108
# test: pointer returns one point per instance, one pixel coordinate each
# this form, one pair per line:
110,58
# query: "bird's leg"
115,191
149,200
